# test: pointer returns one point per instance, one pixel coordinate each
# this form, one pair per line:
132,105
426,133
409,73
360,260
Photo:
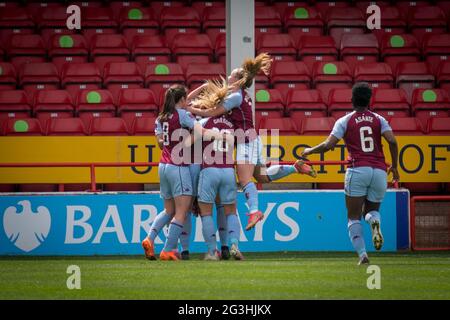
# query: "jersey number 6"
366,141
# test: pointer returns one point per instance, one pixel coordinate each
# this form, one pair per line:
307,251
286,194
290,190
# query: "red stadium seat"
122,75
345,20
25,49
303,21
80,76
413,75
192,48
65,127
285,126
23,127
407,6
14,104
340,102
137,21
38,76
109,48
392,22
323,7
214,22
14,20
149,49
302,104
312,49
317,126
143,126
430,103
443,76
2,51
136,103
399,48
359,48
8,76
378,75
436,49
390,103
108,127
94,104
179,20
406,126
427,20
267,20
35,7
159,77
269,104
331,75
438,126
68,49
97,21
158,6
220,49
198,72
282,6
52,104
117,7
280,46
52,21
290,75
202,6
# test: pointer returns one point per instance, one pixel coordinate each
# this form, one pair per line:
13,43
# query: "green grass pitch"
299,275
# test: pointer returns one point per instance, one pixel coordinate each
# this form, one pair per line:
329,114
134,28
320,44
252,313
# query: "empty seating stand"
399,48
320,126
94,104
427,20
414,75
284,126
269,104
65,127
175,21
97,21
68,48
80,76
443,76
136,103
303,21
378,75
8,76
52,21
23,127
109,48
390,103
192,48
331,75
122,75
340,102
159,77
14,104
436,49
312,49
214,22
392,22
428,103
345,21
149,49
137,21
26,48
108,127
302,104
290,75
280,46
52,104
38,76
196,73
359,48
267,20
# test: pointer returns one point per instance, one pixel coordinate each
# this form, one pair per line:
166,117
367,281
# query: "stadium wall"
115,223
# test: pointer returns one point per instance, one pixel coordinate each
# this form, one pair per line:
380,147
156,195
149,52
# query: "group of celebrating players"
197,132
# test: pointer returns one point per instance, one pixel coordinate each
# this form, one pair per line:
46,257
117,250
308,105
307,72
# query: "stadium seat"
14,104
108,127
359,48
52,21
390,103
345,21
445,6
340,103
407,6
2,52
94,104
109,48
317,126
80,76
143,126
214,22
97,21
15,21
436,49
52,104
23,127
68,48
26,48
290,75
117,8
323,7
8,76
267,20
38,76
122,75
413,75
35,7
159,77
438,126
302,104
406,126
283,5
303,21
312,49
443,76
202,6
192,48
428,103
392,22
198,72
378,75
427,20
399,48
331,75
65,127
179,20
269,104
158,6
280,46
220,49
136,103
149,49
284,125
137,21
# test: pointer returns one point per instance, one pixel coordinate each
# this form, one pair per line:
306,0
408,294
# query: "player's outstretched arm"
325,146
194,93
393,148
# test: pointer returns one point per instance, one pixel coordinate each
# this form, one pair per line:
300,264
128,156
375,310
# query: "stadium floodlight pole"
240,36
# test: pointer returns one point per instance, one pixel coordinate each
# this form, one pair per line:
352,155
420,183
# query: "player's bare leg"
355,230
372,216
